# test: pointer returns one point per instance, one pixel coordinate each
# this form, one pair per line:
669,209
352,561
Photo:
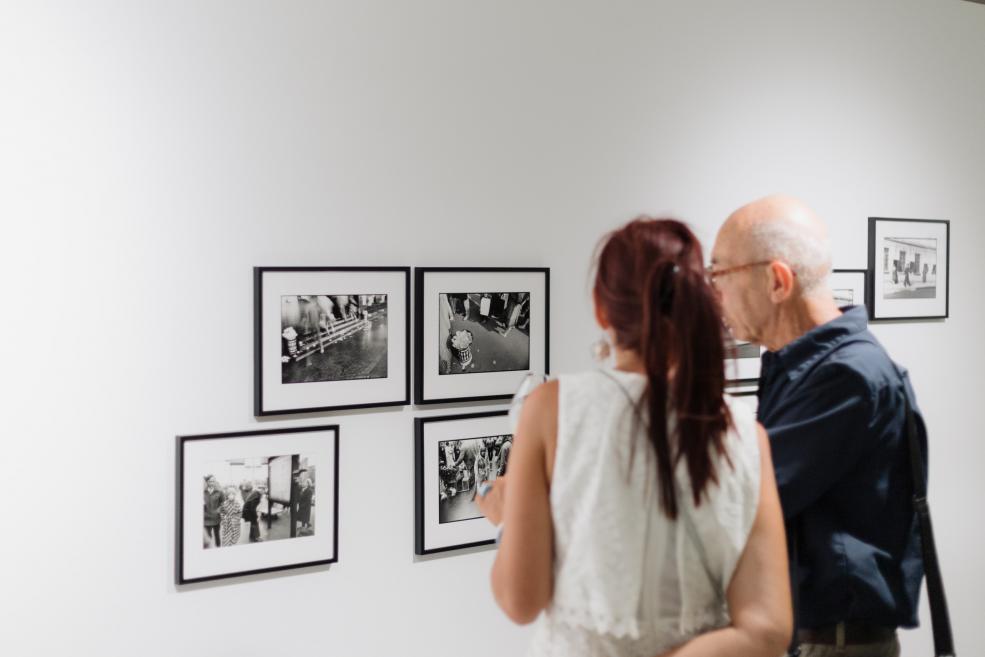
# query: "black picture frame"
866,289
907,304
745,369
746,392
277,444
263,387
426,369
421,472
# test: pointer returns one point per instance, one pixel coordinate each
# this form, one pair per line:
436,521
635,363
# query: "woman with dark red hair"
640,513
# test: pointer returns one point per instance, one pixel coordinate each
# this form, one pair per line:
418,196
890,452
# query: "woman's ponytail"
650,283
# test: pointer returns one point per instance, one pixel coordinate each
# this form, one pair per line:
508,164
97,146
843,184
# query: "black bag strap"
793,650
939,618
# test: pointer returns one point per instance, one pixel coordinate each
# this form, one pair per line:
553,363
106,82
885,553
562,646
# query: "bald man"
834,406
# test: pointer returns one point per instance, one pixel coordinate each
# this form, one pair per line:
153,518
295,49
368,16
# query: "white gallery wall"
151,153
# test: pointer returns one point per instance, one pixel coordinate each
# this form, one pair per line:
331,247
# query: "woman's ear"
601,319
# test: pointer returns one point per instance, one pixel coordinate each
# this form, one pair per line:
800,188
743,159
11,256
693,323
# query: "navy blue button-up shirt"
832,403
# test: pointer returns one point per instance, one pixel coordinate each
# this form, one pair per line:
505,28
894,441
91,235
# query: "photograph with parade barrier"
463,465
479,331
330,338
333,337
908,264
455,457
483,332
256,501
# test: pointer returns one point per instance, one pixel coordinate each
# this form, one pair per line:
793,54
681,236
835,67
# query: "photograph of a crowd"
483,332
252,500
463,465
333,337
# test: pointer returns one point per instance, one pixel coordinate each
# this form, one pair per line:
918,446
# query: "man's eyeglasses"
711,273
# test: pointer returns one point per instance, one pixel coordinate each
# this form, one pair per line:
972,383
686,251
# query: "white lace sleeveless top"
628,581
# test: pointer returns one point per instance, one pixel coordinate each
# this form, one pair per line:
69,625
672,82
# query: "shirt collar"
798,356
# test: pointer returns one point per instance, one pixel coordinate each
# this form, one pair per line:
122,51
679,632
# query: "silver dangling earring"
601,350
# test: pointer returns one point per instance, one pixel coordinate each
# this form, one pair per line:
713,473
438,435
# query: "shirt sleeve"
820,436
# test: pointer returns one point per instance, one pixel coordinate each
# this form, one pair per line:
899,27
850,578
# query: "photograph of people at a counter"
333,337
253,500
483,332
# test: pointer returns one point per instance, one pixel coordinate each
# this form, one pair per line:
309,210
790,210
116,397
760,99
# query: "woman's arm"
523,573
759,593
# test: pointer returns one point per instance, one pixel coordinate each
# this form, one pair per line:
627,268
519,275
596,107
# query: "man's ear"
781,281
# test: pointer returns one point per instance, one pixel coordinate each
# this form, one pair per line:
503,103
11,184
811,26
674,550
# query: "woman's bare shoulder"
541,405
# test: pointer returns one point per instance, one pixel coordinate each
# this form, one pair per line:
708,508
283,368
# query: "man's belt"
851,634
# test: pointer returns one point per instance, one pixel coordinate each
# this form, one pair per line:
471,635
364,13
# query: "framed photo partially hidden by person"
909,263
747,393
453,456
479,331
850,287
743,361
256,501
330,338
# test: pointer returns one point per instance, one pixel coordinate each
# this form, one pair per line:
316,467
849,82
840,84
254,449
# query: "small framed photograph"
453,454
256,501
849,287
330,338
908,268
743,361
479,331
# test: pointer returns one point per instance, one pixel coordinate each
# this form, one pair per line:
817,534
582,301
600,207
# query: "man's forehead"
727,243
718,248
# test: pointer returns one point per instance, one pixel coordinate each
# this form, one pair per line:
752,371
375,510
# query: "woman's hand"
491,504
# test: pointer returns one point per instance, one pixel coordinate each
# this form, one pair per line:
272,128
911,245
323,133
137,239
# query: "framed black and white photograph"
256,501
330,338
908,268
849,287
479,331
743,361
454,454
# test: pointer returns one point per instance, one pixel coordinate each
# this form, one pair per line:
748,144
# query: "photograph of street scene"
337,337
252,500
483,332
909,268
462,466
